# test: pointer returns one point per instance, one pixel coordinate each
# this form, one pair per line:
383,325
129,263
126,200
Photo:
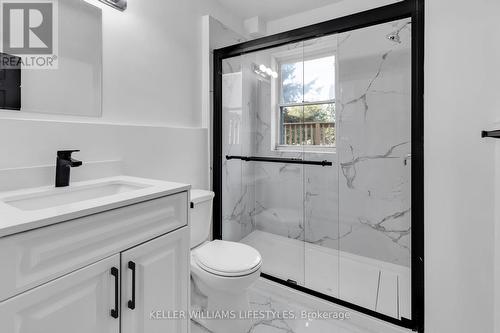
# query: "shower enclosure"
318,158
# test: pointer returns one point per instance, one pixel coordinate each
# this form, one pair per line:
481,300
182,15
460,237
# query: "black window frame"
280,145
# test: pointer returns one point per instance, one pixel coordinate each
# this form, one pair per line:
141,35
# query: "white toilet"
223,271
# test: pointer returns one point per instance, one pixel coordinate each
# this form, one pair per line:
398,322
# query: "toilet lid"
228,258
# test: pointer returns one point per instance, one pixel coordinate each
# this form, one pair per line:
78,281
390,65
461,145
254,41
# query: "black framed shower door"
413,9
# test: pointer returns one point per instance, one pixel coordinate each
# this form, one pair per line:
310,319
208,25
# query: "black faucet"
64,163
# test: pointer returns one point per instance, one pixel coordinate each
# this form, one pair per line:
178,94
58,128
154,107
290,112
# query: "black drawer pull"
114,312
131,303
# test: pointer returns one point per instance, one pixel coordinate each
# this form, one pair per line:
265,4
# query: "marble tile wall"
237,181
374,128
360,205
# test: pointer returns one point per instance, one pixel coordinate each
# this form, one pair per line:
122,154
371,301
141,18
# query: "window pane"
292,77
319,79
308,125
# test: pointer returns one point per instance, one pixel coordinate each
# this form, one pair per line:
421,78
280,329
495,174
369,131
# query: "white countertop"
14,220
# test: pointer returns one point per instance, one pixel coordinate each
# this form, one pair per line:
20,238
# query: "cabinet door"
79,302
161,283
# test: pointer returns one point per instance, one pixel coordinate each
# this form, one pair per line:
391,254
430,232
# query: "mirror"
75,87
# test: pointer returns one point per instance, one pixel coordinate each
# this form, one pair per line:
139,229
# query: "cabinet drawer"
35,257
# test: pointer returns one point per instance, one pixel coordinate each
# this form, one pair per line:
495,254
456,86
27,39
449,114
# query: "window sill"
306,149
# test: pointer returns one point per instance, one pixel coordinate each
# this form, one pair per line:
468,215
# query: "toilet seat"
228,259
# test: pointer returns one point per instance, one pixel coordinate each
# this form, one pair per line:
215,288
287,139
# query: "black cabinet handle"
114,312
131,303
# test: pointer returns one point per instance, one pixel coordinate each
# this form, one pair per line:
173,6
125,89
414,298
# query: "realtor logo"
27,28
29,31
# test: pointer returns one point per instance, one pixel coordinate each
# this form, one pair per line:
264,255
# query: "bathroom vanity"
100,256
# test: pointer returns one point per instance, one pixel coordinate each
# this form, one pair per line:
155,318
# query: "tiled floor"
196,328
259,301
268,296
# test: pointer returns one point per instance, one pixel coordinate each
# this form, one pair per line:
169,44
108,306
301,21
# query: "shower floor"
373,284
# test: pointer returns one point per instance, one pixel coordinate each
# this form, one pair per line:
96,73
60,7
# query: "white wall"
461,99
28,149
152,78
337,9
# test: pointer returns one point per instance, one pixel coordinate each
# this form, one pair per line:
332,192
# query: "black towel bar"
279,160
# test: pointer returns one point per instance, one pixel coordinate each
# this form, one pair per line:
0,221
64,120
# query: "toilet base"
225,312
227,316
227,308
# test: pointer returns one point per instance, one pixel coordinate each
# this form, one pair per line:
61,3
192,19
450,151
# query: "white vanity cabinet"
75,276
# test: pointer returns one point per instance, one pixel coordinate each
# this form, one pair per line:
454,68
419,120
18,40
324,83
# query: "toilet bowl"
223,271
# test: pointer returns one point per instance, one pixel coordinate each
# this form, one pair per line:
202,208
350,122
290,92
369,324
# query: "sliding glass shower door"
316,163
320,181
374,155
268,212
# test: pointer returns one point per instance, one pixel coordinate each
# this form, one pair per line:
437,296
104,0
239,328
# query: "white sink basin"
25,209
68,195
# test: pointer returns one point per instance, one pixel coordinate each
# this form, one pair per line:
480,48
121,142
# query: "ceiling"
272,9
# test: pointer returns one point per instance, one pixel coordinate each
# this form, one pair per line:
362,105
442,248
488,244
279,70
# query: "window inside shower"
316,163
306,111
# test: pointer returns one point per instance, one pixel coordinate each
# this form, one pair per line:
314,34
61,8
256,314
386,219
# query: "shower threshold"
373,284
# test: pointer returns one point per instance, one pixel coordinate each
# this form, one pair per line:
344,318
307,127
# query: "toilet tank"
201,216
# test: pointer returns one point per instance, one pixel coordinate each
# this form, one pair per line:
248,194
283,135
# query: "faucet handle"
66,154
